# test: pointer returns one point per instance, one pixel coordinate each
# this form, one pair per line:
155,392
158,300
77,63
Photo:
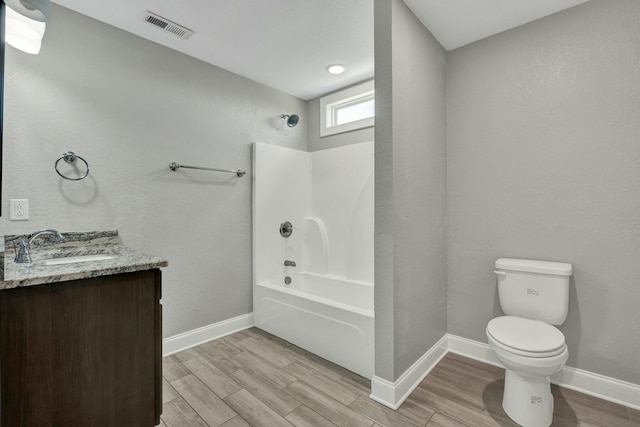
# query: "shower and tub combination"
313,250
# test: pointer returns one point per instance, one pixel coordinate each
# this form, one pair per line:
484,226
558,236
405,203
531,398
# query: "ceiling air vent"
166,25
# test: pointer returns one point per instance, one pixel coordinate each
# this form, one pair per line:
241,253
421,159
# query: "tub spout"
288,263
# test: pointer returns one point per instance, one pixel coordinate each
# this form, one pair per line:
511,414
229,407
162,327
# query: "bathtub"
326,315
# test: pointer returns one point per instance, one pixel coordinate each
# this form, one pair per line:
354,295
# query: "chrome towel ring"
70,157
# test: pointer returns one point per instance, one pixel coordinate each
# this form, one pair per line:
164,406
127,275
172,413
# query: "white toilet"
534,295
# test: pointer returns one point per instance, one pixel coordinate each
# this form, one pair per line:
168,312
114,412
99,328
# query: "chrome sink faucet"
288,263
23,245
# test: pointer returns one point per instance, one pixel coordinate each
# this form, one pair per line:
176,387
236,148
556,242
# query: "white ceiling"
287,44
456,23
284,44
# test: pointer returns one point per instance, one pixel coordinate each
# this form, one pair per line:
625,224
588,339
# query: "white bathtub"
326,315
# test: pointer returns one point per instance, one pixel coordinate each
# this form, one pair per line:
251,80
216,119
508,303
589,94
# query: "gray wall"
410,136
543,163
130,106
332,141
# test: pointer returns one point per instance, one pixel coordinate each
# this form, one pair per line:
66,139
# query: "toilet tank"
537,290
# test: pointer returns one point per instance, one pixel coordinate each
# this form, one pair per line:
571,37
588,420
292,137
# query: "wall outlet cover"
18,209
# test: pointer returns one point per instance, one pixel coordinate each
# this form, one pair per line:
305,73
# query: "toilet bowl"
534,296
531,351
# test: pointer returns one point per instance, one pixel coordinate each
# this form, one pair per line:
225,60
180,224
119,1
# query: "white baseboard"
611,389
393,394
473,350
204,334
606,388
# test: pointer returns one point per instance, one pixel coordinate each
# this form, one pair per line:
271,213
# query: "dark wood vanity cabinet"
82,353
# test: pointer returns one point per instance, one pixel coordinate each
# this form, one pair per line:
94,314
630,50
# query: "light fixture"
26,21
335,68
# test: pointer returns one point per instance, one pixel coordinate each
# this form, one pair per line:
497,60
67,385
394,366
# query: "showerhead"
292,119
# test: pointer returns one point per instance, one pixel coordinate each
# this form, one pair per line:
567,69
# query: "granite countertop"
45,247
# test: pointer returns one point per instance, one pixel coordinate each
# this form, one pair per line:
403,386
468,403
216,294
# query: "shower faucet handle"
288,263
286,228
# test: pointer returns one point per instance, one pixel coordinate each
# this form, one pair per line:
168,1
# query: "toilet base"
528,400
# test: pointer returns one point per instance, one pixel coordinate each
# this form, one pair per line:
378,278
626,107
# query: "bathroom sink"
75,259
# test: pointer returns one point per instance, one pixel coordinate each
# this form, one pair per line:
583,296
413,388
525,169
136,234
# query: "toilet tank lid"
533,266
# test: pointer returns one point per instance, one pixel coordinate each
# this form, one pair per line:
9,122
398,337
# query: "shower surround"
328,196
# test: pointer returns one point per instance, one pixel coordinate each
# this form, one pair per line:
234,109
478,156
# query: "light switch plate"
19,209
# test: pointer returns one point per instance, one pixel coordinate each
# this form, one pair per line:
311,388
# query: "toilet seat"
525,337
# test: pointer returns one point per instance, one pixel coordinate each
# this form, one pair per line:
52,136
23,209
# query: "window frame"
329,105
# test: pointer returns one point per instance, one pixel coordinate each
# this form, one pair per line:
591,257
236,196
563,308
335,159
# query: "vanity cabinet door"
82,353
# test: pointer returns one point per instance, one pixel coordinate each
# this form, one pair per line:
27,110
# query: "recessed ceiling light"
335,69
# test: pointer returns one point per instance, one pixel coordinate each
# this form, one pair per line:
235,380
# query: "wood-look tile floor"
252,378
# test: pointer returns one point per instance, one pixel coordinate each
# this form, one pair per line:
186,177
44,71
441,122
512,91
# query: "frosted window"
348,109
363,109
